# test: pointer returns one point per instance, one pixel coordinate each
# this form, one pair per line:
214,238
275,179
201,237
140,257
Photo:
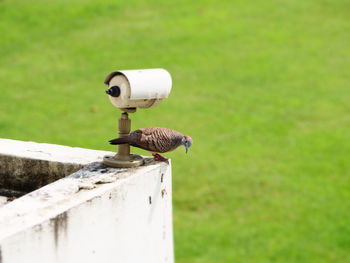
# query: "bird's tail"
121,140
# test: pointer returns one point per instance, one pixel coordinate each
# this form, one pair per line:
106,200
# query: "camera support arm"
123,158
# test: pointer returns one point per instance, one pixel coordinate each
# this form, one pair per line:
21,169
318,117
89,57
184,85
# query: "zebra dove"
155,140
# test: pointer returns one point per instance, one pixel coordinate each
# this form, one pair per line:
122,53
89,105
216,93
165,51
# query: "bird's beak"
186,148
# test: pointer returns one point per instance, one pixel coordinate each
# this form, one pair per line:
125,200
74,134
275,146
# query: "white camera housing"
143,88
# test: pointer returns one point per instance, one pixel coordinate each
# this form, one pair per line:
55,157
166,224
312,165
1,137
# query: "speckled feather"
153,139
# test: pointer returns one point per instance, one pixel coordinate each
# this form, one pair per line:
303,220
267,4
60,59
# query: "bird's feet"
159,158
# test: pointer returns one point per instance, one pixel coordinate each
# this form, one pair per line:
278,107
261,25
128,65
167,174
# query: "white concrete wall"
97,214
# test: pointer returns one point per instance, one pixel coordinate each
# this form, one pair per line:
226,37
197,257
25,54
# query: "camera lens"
113,91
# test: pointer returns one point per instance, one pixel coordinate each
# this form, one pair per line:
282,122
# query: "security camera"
128,90
143,88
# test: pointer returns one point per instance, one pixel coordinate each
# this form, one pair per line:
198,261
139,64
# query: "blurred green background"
261,86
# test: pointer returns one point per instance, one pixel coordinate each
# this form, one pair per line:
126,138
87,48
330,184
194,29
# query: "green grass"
261,86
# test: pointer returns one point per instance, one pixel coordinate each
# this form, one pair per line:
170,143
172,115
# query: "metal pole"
124,130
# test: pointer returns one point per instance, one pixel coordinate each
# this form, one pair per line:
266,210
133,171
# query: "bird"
156,140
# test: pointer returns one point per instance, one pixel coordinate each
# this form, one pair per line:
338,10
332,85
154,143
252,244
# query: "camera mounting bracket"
123,158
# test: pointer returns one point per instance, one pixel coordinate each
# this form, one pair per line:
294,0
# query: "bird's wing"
155,139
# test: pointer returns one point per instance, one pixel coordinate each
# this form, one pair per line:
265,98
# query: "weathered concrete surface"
3,200
97,214
26,166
